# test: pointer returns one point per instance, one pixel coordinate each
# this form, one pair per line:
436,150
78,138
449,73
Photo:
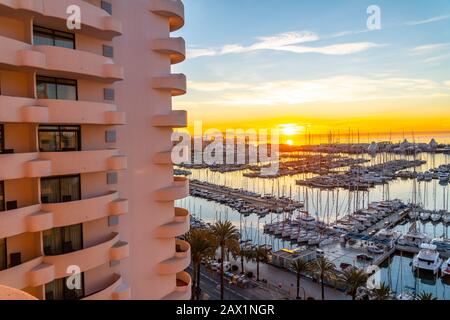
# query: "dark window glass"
3,256
54,88
58,290
2,138
2,196
60,189
59,138
50,37
63,240
106,6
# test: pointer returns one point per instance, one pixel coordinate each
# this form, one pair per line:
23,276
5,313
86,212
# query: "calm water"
327,206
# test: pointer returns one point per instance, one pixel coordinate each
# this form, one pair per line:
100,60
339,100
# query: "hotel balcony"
55,267
177,227
94,20
174,47
174,83
117,290
180,260
174,119
27,110
183,287
58,61
173,10
44,164
178,190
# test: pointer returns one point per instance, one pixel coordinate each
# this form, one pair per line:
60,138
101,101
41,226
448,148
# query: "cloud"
438,58
429,48
289,42
426,21
343,88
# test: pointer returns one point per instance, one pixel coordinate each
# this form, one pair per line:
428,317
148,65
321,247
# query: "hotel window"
55,88
2,196
60,189
59,138
50,37
58,290
2,138
3,256
63,240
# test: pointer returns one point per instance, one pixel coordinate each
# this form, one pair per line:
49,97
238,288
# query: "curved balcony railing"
94,21
173,10
18,110
174,83
63,62
55,267
178,190
174,119
177,227
116,290
175,48
179,262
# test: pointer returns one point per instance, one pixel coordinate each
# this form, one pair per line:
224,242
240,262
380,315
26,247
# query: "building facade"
86,180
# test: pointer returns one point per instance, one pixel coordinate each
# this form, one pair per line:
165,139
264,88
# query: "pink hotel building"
86,179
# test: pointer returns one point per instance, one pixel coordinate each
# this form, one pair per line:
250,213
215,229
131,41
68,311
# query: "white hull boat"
427,259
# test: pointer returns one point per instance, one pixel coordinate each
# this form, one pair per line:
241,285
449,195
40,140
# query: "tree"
324,270
202,246
299,266
381,293
258,254
226,237
353,278
426,296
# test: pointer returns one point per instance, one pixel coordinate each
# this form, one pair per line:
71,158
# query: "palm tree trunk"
323,288
194,278
257,269
222,257
242,264
298,285
198,280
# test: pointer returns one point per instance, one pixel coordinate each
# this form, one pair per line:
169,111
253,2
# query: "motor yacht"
445,269
427,259
425,216
413,239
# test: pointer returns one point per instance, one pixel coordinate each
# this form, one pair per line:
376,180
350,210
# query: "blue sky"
287,56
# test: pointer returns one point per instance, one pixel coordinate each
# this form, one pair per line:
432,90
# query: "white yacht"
307,218
446,217
413,215
375,249
445,269
413,239
425,216
435,217
427,259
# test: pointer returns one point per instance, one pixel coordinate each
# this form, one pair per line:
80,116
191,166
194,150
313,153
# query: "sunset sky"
314,64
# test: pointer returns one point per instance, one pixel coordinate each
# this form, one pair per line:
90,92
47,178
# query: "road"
210,284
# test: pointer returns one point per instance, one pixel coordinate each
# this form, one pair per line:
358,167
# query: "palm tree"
426,296
226,237
258,254
353,278
299,266
381,293
202,246
323,269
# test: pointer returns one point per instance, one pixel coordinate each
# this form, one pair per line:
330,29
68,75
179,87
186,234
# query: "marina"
359,228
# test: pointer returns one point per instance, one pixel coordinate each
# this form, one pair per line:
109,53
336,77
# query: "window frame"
60,131
54,34
59,182
2,137
2,193
6,254
54,80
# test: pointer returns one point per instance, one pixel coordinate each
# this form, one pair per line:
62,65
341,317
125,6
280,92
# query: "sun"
290,129
290,142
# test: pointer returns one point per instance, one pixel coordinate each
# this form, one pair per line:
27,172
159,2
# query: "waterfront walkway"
287,281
